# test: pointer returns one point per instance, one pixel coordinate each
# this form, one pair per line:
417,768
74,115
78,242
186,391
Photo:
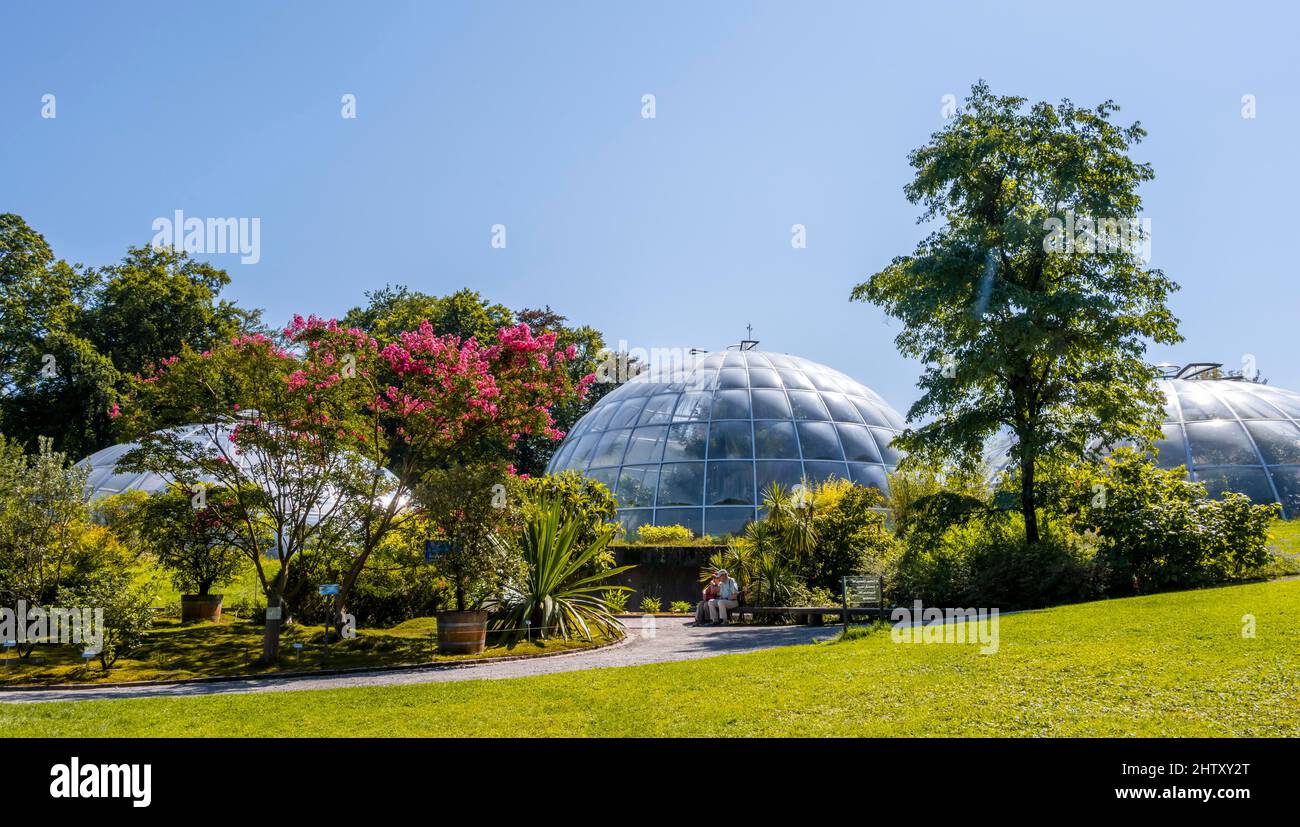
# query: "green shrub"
849,535
125,600
554,592
616,600
651,605
986,562
1159,531
680,607
583,499
664,535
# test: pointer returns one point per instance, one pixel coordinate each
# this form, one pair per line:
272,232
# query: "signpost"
327,589
433,549
861,591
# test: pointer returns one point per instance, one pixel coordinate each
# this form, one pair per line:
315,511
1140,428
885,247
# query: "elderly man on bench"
728,598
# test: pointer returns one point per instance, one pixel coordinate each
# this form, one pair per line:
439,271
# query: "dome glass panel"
698,446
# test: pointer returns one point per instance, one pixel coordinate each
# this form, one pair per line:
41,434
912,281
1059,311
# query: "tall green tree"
39,297
1019,329
155,302
43,355
533,453
70,336
391,310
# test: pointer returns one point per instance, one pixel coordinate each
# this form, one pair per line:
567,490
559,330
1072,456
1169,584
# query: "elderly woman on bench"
728,598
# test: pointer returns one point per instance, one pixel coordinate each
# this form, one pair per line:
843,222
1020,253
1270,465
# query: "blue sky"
666,232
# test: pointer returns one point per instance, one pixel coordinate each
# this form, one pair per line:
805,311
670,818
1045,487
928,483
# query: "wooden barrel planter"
201,607
462,633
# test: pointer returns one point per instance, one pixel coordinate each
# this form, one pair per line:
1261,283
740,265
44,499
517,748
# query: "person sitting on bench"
702,615
728,591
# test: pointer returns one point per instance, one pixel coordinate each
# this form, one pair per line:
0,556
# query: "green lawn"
178,651
1174,664
1284,539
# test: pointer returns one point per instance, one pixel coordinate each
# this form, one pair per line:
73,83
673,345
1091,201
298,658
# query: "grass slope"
1174,664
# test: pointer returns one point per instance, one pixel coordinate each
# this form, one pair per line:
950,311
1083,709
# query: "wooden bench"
858,589
808,615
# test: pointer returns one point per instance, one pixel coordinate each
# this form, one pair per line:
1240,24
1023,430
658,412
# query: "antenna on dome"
749,342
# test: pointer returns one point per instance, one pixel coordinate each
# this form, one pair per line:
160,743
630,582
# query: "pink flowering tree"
322,435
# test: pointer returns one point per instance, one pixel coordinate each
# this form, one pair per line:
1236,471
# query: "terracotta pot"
462,633
201,607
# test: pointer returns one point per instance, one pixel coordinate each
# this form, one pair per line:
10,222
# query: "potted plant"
467,504
182,529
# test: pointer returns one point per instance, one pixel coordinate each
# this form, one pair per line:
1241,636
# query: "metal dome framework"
104,479
1228,432
697,446
1233,435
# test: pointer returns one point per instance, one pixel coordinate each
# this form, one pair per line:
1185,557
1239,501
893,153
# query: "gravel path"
670,639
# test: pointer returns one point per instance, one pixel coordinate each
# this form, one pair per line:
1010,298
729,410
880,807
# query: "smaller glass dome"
1229,433
104,478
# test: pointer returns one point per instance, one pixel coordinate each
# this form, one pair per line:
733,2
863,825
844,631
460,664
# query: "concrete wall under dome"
666,572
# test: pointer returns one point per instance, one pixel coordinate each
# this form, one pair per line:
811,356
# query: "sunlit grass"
1164,665
176,651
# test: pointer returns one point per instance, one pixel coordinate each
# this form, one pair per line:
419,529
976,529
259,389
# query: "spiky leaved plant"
556,594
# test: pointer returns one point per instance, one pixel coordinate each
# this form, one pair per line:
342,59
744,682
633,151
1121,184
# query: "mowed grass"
180,651
1166,665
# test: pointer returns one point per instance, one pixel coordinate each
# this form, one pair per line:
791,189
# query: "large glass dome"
697,445
1234,435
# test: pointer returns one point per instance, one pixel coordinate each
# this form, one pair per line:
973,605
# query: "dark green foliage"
988,563
1111,528
1159,531
71,336
186,536
1049,344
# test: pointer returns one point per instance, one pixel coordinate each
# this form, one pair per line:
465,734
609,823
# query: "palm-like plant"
558,594
756,561
790,513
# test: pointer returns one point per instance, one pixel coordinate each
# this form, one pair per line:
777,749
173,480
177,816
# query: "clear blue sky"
666,232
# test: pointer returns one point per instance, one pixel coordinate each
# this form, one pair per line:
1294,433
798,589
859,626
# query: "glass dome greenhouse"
104,478
697,446
1229,433
1233,435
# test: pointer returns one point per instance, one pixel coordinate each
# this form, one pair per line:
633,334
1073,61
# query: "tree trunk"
271,636
341,599
1027,501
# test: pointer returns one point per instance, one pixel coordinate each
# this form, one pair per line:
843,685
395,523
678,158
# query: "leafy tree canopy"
1048,341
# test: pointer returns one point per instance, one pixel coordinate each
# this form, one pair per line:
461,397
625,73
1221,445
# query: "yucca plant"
555,594
791,513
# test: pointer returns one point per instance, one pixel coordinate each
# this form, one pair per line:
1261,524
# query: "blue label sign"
434,549
328,588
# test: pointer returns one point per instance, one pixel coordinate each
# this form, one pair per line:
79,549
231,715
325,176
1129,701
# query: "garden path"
669,639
